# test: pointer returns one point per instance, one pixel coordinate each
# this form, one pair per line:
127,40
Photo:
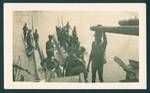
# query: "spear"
62,21
58,20
32,26
32,23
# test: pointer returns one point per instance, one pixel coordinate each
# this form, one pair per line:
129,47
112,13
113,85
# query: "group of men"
29,36
66,40
74,62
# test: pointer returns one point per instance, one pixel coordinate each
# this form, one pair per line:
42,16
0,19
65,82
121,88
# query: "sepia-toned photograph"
84,46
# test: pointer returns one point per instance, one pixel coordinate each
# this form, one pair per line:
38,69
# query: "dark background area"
148,45
72,91
76,1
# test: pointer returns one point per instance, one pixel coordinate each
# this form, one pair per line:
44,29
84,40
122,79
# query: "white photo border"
8,49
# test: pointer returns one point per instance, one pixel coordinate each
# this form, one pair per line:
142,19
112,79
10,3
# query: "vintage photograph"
76,46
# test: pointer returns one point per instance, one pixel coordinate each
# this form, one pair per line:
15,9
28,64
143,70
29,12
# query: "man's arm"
46,46
104,41
90,59
89,63
104,38
37,36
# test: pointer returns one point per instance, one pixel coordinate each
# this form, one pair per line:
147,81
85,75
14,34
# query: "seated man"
52,65
75,66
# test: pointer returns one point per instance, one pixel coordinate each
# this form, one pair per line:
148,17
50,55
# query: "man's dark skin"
25,30
74,39
36,38
50,47
29,40
74,66
97,55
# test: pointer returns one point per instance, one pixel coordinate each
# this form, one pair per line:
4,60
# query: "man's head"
82,49
25,24
50,37
35,30
53,58
67,23
29,30
74,28
74,31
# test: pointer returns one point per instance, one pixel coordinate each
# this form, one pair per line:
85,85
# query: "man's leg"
24,34
100,72
36,44
82,69
48,54
85,74
94,69
58,72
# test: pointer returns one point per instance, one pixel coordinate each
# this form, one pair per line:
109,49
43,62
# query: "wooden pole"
127,30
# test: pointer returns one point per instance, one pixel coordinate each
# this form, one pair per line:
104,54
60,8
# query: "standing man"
36,38
74,41
25,30
50,47
68,27
29,40
97,55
